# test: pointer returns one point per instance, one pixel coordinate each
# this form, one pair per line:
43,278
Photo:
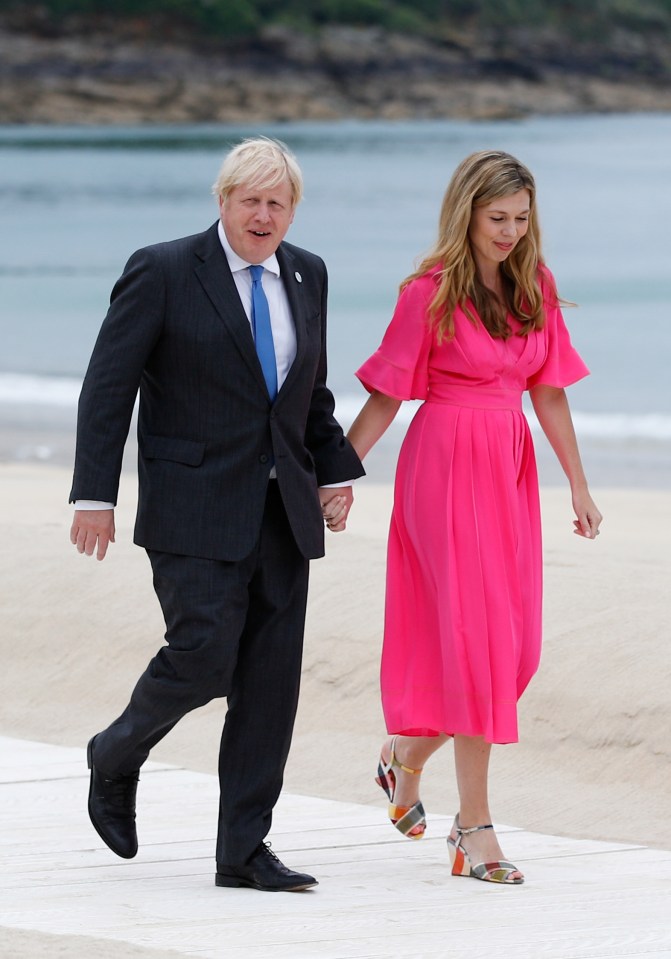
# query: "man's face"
256,220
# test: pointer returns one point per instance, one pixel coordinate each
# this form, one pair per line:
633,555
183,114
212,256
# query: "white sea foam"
624,426
615,427
27,390
51,392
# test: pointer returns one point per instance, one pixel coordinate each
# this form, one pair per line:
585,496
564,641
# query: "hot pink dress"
462,633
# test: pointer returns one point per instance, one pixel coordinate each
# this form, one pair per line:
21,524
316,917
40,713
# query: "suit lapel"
215,276
294,289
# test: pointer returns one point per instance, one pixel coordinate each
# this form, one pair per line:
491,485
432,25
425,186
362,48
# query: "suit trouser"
233,629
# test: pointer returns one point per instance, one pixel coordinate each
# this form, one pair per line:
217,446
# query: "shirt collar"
236,263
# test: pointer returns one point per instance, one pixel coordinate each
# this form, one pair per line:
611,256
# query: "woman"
475,325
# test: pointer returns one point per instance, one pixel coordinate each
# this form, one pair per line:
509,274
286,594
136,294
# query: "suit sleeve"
334,457
126,339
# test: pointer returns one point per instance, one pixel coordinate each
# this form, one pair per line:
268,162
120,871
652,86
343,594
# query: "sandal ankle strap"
472,829
467,832
393,761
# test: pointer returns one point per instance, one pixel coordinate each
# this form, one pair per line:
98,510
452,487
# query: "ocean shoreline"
39,436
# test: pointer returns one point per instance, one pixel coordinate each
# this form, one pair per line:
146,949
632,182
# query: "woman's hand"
336,503
554,416
589,518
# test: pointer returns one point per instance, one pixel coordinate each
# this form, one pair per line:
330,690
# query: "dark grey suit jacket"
176,330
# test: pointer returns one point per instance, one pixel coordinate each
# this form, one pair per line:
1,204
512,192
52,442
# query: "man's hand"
336,504
92,528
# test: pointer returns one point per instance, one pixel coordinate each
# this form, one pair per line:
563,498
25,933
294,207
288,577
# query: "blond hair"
261,163
480,178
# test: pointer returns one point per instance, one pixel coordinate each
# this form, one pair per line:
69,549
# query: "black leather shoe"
112,808
264,871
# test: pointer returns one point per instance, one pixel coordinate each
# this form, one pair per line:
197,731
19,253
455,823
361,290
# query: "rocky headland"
101,72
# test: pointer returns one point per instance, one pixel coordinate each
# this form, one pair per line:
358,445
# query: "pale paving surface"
379,895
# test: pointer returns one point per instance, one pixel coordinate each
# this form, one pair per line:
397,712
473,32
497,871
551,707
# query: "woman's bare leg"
471,758
411,751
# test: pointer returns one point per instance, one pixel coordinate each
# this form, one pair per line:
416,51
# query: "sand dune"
594,758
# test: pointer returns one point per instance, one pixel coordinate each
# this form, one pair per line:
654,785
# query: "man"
224,336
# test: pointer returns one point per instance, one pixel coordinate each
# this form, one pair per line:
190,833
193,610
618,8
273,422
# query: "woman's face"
497,227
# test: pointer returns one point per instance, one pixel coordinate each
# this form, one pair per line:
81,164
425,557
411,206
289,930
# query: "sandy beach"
594,759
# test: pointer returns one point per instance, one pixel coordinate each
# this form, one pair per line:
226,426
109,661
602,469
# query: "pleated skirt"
462,633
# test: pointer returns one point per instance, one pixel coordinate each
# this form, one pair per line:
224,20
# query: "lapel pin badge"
299,278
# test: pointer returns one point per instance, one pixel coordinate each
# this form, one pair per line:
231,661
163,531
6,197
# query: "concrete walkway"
379,894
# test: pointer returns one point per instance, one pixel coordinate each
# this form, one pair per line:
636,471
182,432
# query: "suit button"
263,458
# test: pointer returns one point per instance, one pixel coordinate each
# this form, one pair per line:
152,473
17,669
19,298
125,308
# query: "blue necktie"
263,334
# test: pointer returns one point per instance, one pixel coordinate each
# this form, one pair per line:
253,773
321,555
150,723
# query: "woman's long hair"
478,180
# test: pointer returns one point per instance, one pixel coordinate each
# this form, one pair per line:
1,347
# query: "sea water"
75,202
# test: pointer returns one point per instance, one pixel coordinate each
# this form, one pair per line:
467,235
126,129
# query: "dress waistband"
476,397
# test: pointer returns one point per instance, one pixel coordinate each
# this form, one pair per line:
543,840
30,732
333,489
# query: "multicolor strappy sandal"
497,871
404,818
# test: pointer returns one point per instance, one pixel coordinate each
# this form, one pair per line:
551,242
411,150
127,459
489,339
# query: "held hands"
91,528
589,518
336,504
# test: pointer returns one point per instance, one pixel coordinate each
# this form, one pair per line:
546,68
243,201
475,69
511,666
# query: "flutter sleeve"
399,368
563,364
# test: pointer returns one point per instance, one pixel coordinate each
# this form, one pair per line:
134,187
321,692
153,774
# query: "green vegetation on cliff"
584,20
221,61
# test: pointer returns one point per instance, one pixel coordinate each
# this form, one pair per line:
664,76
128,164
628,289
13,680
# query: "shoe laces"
121,789
269,851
